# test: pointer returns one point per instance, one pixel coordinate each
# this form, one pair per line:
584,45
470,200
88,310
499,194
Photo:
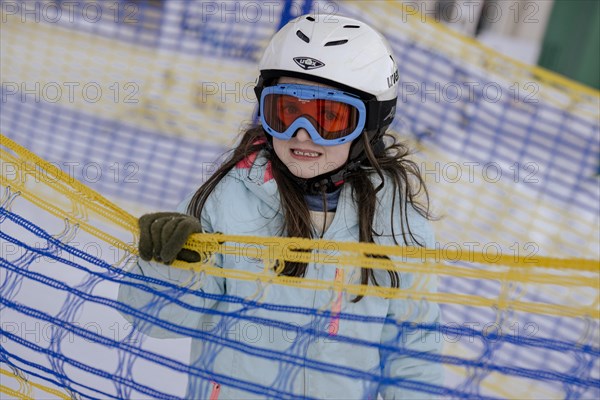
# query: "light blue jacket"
246,202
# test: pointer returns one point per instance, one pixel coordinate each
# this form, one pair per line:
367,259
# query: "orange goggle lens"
332,119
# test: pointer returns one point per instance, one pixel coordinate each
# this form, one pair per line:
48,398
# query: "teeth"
305,154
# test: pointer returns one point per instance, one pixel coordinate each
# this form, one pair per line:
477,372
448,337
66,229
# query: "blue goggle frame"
309,92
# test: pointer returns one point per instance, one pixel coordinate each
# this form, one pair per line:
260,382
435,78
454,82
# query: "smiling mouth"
305,153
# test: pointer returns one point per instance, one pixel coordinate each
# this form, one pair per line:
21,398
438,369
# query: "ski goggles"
330,116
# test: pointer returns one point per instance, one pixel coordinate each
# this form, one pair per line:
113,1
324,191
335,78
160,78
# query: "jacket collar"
255,172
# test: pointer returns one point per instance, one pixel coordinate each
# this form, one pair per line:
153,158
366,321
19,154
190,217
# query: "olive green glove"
163,234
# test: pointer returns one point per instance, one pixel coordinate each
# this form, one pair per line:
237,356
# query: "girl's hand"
163,234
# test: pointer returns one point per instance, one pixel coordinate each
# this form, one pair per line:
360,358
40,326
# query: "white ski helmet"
341,52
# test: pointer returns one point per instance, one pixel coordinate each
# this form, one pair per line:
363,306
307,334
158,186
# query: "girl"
317,167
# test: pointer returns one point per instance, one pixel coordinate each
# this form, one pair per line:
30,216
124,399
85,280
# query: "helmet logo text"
392,79
308,63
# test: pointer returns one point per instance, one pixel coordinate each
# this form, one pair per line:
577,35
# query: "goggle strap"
379,114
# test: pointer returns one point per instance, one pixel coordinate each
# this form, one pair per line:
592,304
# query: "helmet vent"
302,36
336,42
351,26
310,18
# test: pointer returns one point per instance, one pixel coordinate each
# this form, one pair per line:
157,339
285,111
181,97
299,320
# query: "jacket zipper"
334,324
216,389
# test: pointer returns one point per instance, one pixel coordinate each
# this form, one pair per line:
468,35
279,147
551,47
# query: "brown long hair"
390,165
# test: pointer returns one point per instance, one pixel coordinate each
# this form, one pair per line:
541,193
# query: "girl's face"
302,156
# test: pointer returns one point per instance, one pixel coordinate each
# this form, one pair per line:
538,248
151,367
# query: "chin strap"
329,182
